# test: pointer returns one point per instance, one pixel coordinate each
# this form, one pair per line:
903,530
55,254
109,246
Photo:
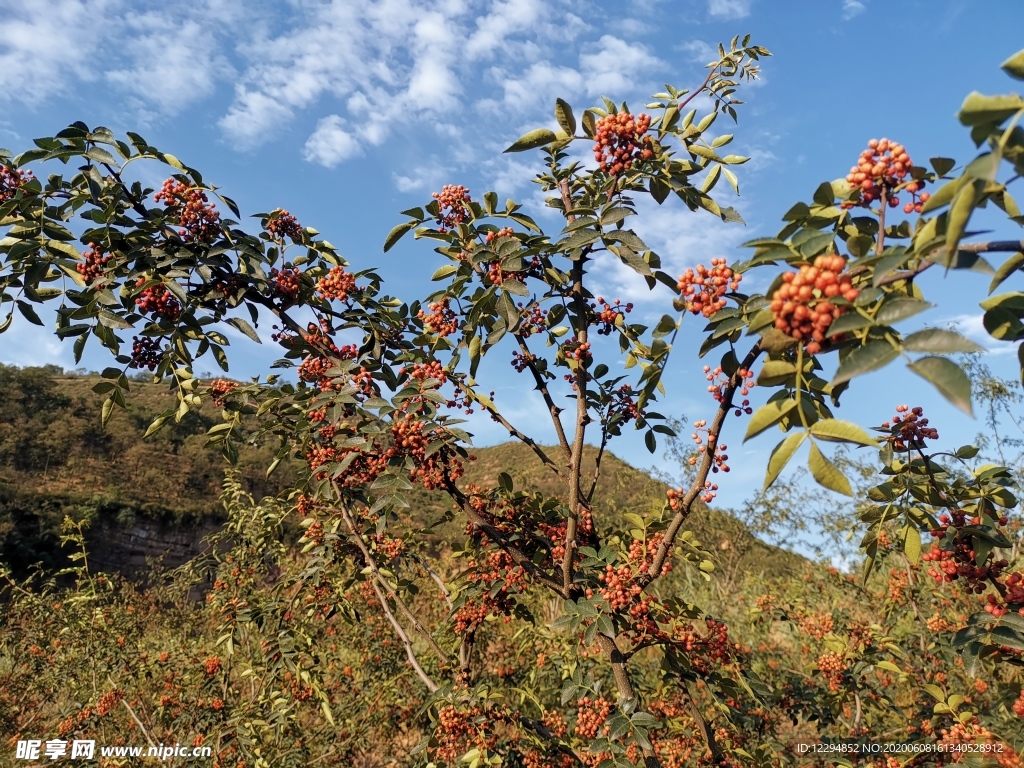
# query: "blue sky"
347,112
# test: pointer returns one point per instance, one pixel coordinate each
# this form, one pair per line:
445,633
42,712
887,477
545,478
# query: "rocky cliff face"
132,549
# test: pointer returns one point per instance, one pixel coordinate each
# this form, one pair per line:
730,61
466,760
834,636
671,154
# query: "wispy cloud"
852,8
330,144
729,9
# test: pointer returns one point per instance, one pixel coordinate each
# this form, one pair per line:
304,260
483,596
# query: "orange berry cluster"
590,716
11,180
497,275
283,224
423,371
285,284
506,232
580,352
93,265
212,665
108,701
158,300
609,314
910,429
198,218
704,290
880,169
452,206
619,142
802,305
833,666
337,284
442,319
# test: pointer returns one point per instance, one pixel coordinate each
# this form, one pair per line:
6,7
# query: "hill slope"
147,497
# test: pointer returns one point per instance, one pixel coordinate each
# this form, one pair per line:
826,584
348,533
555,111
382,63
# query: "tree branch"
686,504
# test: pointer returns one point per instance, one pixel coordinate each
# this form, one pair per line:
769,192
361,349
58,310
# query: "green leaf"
565,117
396,234
940,341
979,109
532,140
1007,268
912,544
1014,66
826,473
870,357
767,415
29,312
781,455
947,377
942,165
445,271
960,213
900,308
839,431
245,328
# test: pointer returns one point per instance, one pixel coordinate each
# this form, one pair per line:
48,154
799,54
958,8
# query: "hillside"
147,497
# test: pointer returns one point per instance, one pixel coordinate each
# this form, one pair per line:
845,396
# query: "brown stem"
519,435
884,200
580,310
499,538
624,686
542,387
404,637
379,578
686,504
709,734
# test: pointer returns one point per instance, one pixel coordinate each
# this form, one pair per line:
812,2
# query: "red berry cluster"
282,224
198,218
533,320
704,290
623,405
442,319
423,371
314,368
158,300
591,715
955,557
93,265
146,353
802,305
880,169
220,389
452,206
497,568
719,457
910,429
337,284
284,284
1018,705
496,275
708,650
719,381
833,666
11,180
620,142
522,361
609,314
578,351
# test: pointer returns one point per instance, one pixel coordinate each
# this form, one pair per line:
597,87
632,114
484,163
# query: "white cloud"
330,144
729,9
610,67
852,8
973,327
197,61
538,86
41,46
